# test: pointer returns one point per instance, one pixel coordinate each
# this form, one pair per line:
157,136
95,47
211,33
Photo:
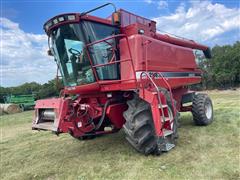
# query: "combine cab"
119,73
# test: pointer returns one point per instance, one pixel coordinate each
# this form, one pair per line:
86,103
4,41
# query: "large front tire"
139,127
140,130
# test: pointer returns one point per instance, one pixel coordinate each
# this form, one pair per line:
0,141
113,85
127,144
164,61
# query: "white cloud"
23,56
160,4
202,21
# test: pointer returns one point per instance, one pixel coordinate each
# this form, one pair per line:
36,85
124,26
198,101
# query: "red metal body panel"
151,98
115,114
161,56
180,42
58,105
83,89
55,103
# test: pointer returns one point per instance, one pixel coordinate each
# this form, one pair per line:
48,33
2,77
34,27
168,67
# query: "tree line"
49,89
222,71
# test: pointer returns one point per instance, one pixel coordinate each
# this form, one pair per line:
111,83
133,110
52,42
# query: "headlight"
55,21
71,17
60,19
48,25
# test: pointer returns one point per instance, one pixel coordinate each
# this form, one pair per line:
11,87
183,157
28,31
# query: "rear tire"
139,127
202,110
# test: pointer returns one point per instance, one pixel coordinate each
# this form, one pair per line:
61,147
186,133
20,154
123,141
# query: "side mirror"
208,53
49,52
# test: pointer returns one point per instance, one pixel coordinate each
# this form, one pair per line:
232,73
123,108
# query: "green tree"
223,70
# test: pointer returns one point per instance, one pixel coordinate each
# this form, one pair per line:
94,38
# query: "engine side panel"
154,56
161,56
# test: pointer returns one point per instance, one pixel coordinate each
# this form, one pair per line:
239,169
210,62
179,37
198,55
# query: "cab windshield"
69,48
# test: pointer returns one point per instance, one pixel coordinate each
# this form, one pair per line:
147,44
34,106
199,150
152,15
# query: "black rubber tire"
200,101
139,128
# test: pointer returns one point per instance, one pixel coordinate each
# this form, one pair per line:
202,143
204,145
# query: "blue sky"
23,46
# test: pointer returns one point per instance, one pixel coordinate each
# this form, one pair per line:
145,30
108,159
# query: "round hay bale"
10,108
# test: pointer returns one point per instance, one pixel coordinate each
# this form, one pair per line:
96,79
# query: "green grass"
210,152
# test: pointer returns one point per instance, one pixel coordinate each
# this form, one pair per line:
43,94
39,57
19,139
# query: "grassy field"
210,152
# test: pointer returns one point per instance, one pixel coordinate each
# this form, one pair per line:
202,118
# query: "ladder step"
168,147
166,118
163,105
167,132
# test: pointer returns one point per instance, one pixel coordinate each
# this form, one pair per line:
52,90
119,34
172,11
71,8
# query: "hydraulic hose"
104,114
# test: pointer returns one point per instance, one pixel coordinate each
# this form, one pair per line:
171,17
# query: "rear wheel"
202,110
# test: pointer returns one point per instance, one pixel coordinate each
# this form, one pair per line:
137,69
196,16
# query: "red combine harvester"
118,73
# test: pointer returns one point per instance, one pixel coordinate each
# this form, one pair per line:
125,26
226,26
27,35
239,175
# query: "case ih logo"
157,75
154,75
151,74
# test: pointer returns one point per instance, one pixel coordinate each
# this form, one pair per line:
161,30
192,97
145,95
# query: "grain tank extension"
120,73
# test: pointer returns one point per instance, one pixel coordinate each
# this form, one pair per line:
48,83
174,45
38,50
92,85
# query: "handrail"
156,87
170,89
105,39
164,79
112,62
99,7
